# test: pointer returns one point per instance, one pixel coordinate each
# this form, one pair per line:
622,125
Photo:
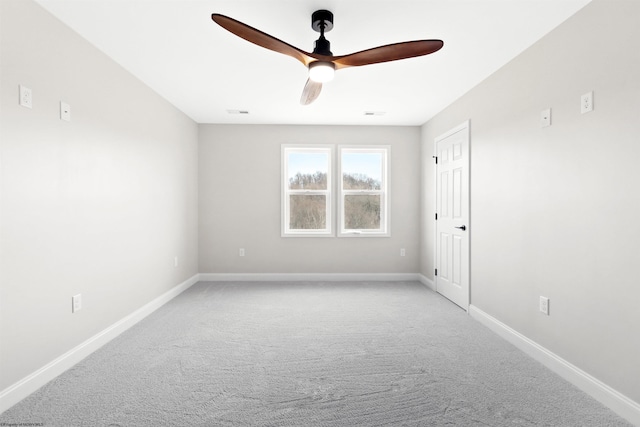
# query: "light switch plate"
545,118
65,111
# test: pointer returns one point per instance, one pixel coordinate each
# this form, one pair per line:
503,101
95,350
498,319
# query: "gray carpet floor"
309,354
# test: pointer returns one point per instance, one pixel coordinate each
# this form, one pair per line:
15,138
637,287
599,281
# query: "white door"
452,215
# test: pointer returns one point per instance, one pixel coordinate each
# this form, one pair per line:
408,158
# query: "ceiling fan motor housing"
323,47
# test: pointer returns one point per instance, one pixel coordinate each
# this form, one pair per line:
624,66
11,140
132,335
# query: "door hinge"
436,271
436,157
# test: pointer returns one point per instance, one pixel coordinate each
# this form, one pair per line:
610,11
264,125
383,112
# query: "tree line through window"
308,211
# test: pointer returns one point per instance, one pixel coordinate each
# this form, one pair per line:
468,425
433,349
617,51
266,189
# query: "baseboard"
617,402
307,277
427,282
23,388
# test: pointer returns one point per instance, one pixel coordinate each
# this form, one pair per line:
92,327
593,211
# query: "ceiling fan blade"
390,52
260,38
310,92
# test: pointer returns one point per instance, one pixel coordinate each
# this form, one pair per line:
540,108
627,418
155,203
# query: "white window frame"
384,192
286,192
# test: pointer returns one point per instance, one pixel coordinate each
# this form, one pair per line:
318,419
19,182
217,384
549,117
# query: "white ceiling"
176,49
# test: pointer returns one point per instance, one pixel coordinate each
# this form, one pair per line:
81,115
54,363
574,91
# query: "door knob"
462,227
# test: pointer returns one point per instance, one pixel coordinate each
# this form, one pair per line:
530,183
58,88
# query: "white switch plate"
402,252
26,97
76,303
545,118
175,261
65,111
544,305
586,102
241,252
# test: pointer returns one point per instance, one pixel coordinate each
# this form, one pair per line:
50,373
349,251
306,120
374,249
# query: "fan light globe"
321,71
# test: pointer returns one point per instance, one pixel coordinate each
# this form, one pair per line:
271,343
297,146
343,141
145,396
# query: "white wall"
239,179
555,211
98,206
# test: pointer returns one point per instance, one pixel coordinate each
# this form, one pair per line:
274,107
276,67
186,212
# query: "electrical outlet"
586,102
241,252
26,97
544,305
402,252
76,303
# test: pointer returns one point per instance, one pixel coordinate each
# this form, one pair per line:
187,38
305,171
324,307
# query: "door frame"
464,125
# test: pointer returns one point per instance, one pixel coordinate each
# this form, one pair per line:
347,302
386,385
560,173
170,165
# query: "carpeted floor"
309,354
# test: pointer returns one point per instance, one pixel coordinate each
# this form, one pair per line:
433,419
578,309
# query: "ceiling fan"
321,62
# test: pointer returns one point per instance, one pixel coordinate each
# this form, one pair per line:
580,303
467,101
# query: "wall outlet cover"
26,97
544,305
586,102
76,303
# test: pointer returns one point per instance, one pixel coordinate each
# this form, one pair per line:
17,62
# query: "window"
362,185
363,198
306,190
